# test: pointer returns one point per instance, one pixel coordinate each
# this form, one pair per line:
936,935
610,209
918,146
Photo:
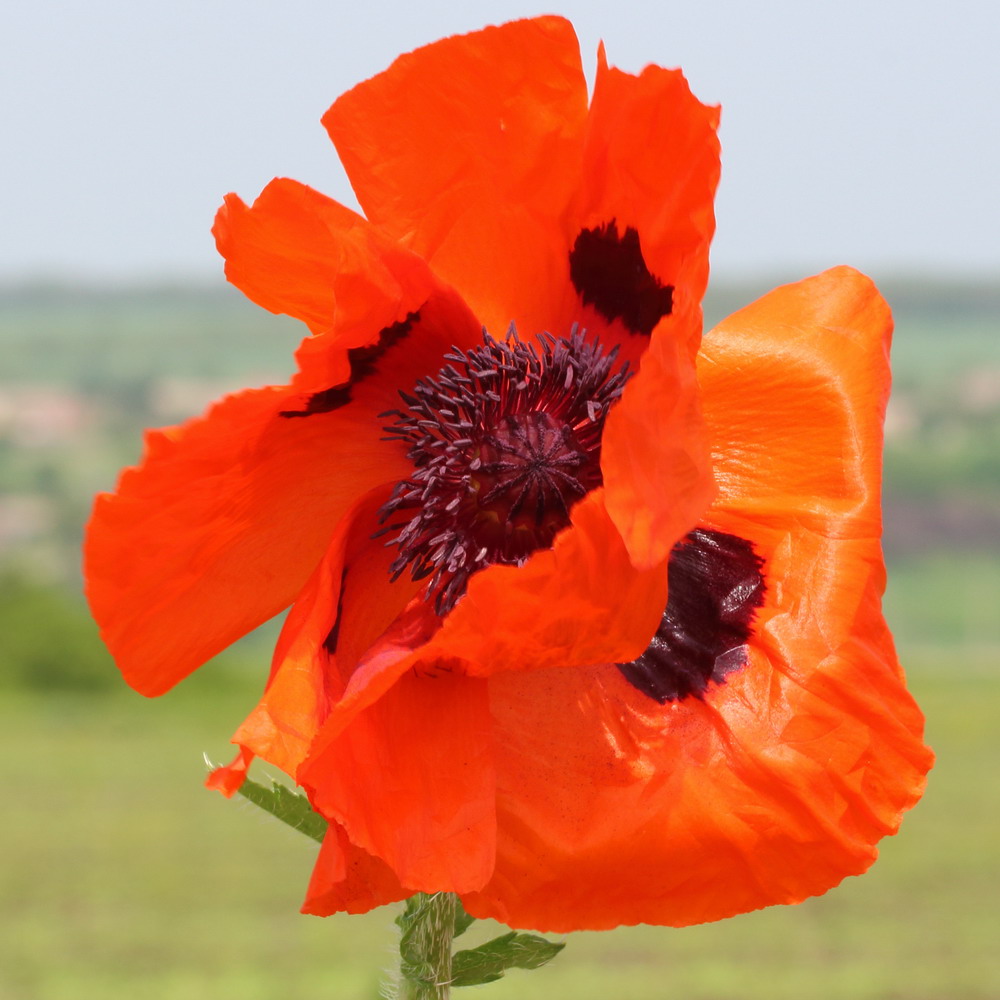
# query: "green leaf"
490,961
410,921
290,807
462,920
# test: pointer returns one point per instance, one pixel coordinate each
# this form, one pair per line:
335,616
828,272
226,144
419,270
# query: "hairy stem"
425,948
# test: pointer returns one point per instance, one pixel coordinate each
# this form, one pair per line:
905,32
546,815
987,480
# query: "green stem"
425,949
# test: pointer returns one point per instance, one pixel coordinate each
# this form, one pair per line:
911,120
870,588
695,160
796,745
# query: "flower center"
503,440
531,469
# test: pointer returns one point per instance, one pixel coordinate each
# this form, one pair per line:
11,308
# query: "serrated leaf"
490,961
290,807
415,913
462,920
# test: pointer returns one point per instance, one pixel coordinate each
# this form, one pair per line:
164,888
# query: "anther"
503,440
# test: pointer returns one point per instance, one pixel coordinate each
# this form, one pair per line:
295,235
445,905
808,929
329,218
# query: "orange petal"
573,604
347,879
614,809
411,780
220,526
651,162
654,454
409,346
781,781
582,601
468,150
232,512
794,391
298,252
579,602
228,778
347,603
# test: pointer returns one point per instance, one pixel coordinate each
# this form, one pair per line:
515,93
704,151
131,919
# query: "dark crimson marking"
362,361
716,587
609,273
330,642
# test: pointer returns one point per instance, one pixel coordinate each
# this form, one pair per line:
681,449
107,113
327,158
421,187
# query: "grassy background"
122,878
129,880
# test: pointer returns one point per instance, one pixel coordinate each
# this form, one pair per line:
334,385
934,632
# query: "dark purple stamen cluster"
504,440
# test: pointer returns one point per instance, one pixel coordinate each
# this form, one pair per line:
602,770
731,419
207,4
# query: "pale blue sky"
853,132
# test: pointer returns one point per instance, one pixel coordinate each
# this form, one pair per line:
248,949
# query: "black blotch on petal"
609,272
716,586
362,361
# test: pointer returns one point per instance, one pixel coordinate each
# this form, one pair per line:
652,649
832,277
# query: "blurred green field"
130,880
123,879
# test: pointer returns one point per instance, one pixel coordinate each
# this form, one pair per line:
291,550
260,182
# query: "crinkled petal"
219,527
228,778
227,515
298,252
794,391
651,163
654,454
411,781
469,151
347,879
582,601
404,759
295,251
614,809
579,602
347,602
781,780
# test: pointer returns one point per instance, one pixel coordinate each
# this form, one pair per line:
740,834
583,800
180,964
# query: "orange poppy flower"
585,612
